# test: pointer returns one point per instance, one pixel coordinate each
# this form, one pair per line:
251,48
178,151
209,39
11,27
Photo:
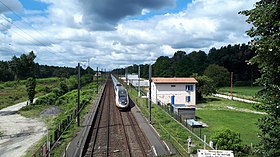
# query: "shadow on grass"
208,99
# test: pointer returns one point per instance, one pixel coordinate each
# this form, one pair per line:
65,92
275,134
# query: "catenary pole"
79,86
97,74
139,81
150,92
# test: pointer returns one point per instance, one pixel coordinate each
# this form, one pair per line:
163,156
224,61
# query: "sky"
117,33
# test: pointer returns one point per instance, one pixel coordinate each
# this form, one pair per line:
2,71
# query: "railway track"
115,133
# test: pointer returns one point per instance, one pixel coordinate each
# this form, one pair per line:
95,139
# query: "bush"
63,87
61,100
10,84
26,108
48,99
72,83
47,89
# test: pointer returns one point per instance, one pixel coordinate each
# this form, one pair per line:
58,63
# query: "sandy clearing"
20,132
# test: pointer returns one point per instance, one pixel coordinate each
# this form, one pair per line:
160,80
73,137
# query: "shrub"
48,99
26,108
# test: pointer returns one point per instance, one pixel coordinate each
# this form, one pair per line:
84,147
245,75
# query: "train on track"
121,94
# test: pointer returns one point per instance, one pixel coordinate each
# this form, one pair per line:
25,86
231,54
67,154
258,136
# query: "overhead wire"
17,15
41,43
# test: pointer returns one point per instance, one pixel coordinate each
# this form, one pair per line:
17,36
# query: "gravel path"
234,98
20,132
245,110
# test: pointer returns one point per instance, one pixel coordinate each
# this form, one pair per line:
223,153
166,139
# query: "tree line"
23,67
233,58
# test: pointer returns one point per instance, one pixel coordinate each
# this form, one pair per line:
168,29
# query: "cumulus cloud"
5,24
6,5
71,31
105,14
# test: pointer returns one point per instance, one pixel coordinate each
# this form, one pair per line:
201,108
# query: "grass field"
69,103
212,102
215,112
241,122
242,92
13,92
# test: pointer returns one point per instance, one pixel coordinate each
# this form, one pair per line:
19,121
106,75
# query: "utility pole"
126,79
79,86
150,92
231,78
139,81
97,74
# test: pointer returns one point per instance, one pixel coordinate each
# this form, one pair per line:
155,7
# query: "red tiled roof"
173,80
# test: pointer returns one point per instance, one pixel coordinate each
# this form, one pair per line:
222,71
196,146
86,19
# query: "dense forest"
19,68
233,58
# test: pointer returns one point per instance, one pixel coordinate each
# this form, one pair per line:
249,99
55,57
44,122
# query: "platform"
158,146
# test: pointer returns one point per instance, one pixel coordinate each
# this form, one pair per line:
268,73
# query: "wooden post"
231,79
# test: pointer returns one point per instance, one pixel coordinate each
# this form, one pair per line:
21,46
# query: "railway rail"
115,133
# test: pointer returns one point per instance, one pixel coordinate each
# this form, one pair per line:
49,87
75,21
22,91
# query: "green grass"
68,103
244,123
13,92
242,92
215,113
212,102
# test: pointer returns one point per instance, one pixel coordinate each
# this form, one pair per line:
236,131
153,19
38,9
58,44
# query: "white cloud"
8,5
68,39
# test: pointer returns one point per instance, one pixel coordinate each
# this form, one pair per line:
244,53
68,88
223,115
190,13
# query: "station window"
189,88
188,98
173,85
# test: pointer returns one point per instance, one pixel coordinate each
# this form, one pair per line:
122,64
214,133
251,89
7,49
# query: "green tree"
24,66
205,86
61,73
218,74
162,67
265,18
30,88
227,139
5,73
198,62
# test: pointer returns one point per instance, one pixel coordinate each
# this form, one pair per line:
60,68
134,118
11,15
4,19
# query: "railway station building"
179,91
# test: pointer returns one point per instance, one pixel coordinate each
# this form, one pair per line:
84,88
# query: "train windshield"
122,93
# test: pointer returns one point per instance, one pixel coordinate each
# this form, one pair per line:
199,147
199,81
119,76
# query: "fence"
181,121
55,136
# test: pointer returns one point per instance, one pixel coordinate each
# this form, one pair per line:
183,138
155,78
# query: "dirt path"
245,110
234,98
19,133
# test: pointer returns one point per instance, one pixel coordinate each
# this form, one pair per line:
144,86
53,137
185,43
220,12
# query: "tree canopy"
182,64
24,66
218,74
205,86
265,31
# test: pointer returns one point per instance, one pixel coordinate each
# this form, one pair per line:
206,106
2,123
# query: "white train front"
121,95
